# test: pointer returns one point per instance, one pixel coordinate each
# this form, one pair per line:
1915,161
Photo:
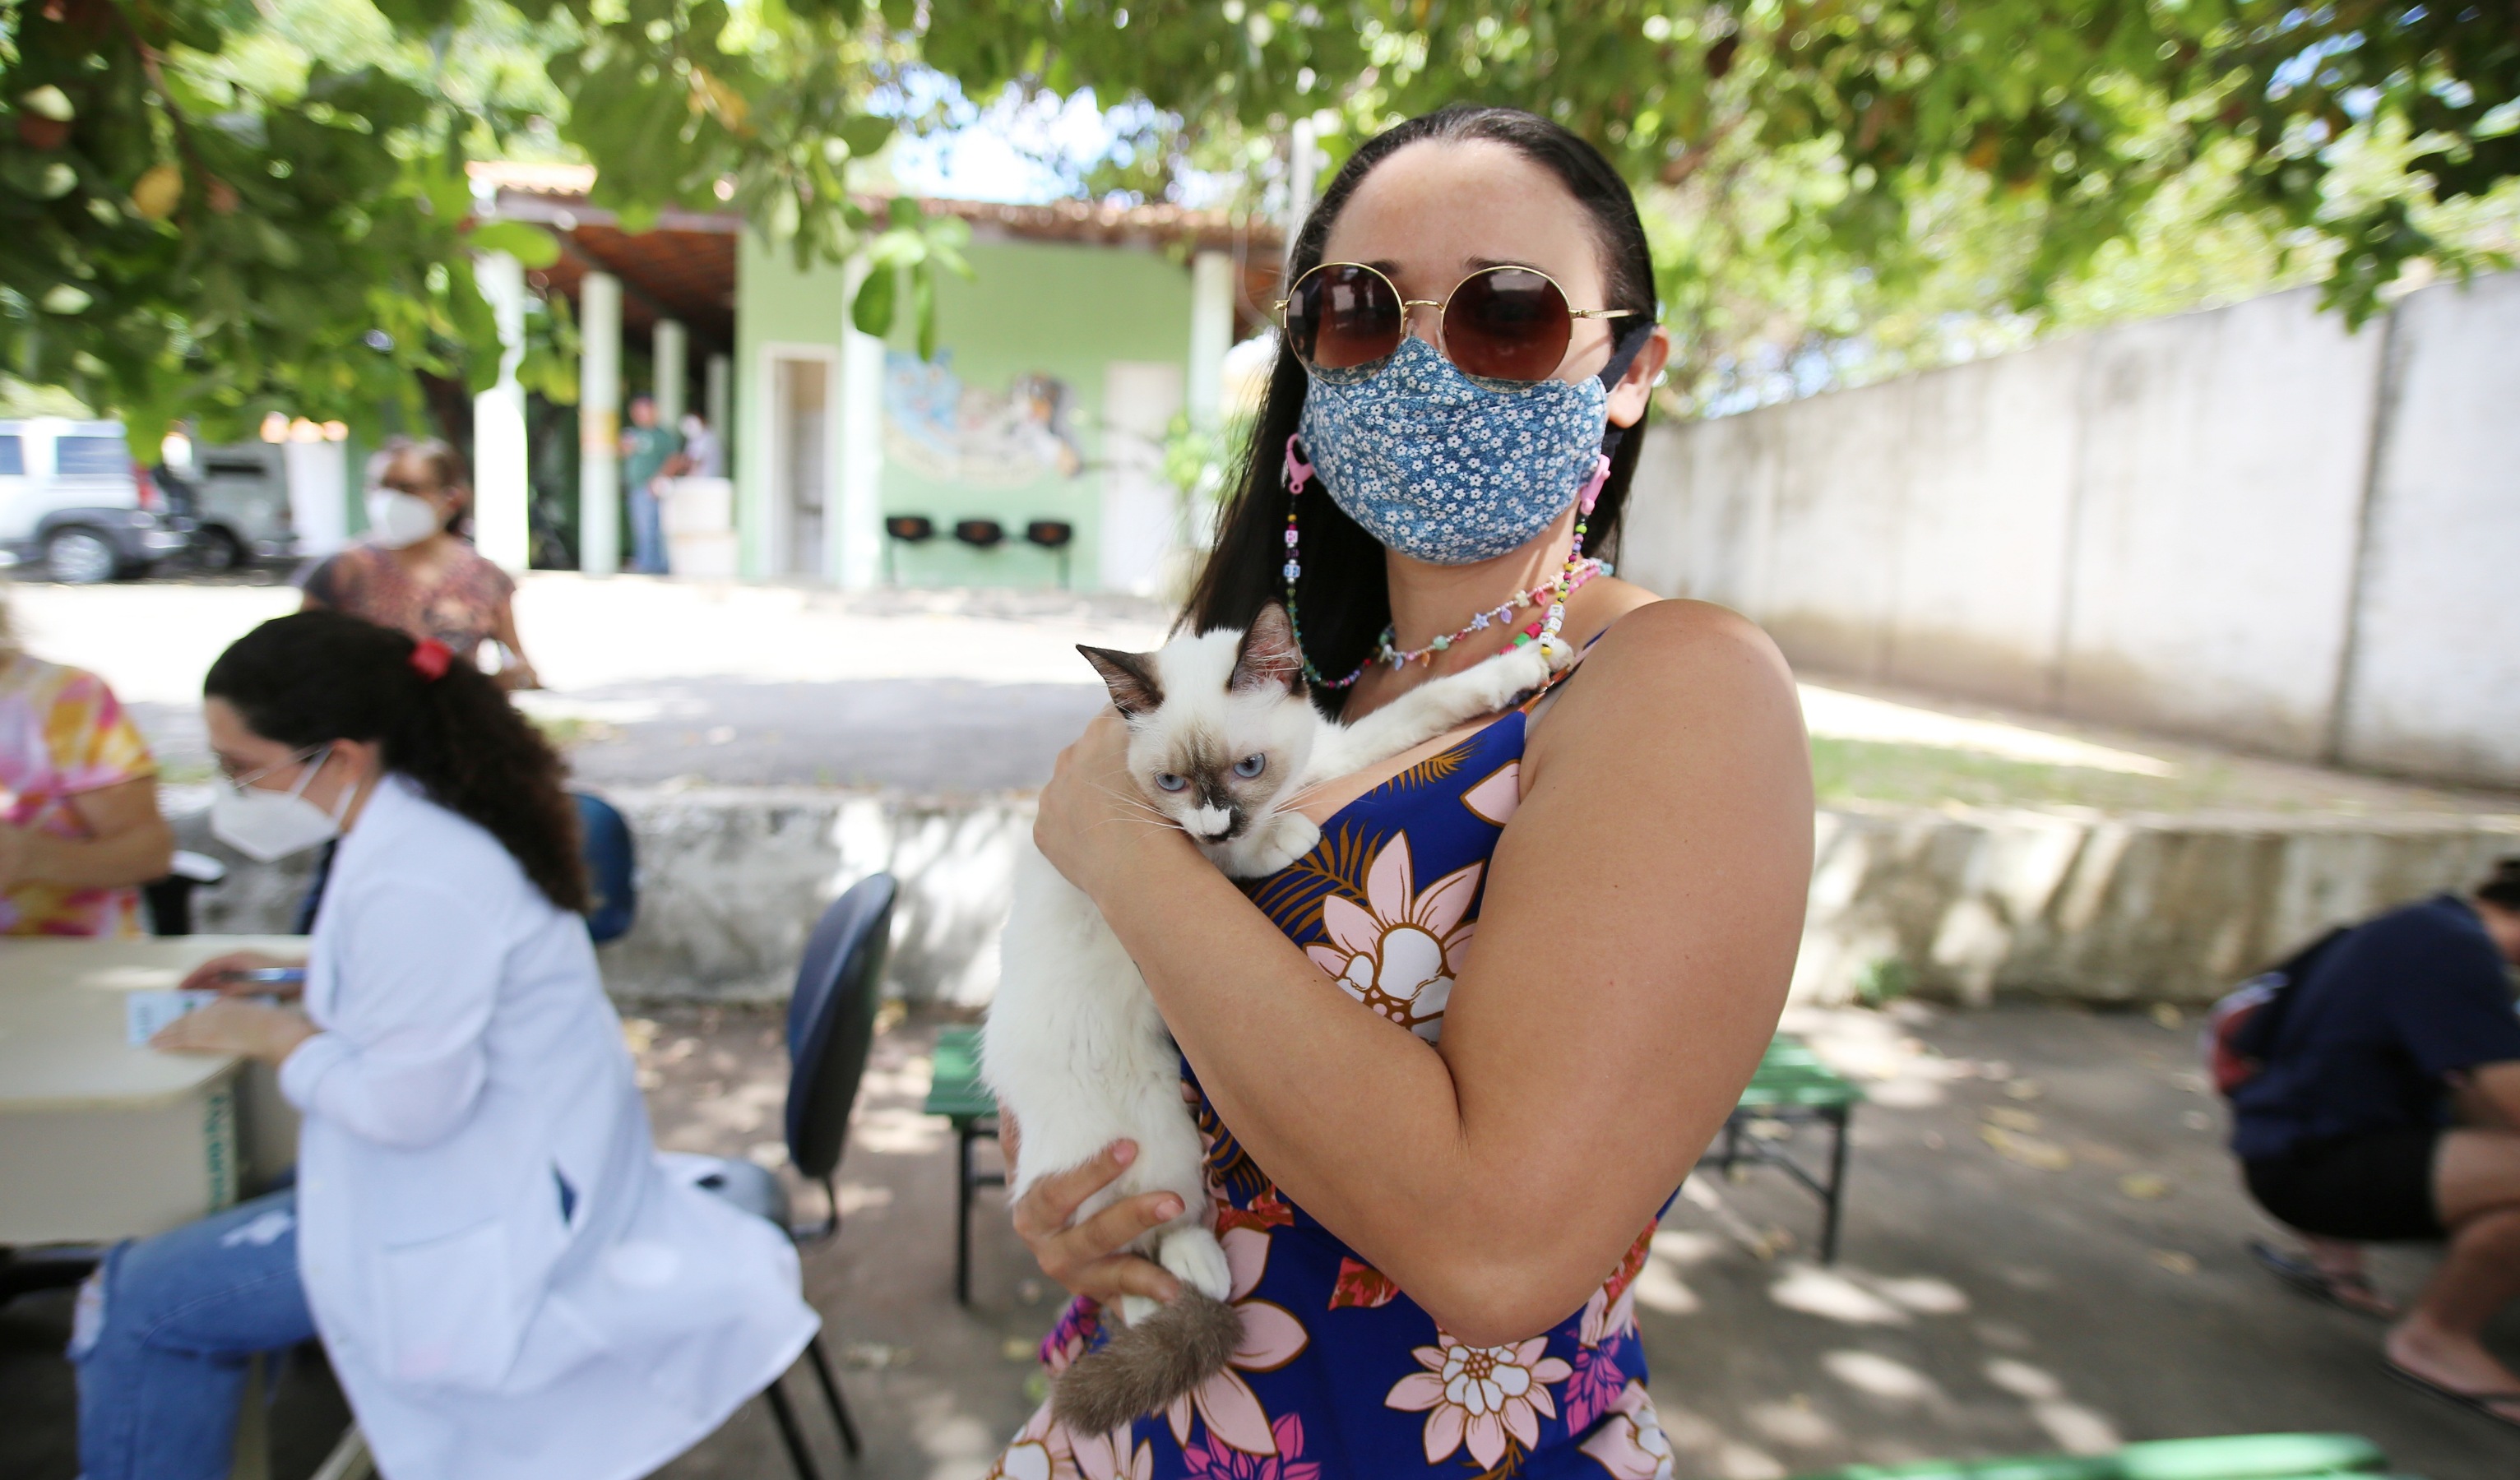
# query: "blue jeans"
165,1328
647,533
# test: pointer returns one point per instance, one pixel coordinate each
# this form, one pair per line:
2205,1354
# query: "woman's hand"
245,1028
220,974
1087,1258
1092,822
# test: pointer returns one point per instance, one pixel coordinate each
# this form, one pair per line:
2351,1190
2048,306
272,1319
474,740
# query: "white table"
101,1141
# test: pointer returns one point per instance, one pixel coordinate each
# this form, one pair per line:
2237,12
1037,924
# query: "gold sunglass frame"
1277,316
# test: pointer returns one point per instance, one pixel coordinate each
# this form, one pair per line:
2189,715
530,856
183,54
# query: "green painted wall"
775,304
1032,308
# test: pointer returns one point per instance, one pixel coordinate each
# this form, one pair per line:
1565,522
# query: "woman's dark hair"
2504,887
316,676
1344,598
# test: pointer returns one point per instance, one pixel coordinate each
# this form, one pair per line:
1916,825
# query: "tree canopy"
2069,115
216,207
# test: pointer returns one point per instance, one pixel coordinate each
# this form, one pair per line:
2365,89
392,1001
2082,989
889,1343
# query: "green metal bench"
1792,1087
2235,1457
956,1092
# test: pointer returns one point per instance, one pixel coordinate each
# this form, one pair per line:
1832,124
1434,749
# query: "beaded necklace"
1578,569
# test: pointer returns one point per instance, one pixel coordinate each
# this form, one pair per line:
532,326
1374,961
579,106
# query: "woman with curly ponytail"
503,1275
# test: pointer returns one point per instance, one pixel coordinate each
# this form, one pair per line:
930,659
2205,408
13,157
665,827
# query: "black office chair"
831,1025
980,534
1059,537
170,899
611,867
904,529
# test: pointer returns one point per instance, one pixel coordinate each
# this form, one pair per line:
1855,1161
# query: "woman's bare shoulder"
1669,669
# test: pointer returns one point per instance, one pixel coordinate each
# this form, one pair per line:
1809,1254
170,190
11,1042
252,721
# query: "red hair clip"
431,656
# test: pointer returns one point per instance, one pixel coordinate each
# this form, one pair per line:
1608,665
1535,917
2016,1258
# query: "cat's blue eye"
1250,765
1170,782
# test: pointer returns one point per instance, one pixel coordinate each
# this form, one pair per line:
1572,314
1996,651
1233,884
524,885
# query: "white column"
599,424
670,357
853,520
1303,167
501,493
1211,335
717,400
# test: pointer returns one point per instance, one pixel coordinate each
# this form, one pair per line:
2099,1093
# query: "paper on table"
144,1013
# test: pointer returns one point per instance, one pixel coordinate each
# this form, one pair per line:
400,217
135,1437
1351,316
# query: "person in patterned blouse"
422,577
79,828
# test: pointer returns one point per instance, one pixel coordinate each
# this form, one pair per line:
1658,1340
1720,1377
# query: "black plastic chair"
1057,536
831,1026
981,534
904,529
611,867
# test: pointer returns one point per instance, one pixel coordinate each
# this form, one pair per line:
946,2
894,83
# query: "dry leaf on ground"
2029,1150
2144,1186
2012,1120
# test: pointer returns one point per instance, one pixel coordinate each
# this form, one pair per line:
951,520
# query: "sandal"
2480,1404
2350,1292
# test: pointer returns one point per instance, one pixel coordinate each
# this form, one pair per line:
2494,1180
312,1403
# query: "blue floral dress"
1340,1374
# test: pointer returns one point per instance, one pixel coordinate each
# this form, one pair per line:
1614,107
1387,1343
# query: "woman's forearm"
132,855
1300,1071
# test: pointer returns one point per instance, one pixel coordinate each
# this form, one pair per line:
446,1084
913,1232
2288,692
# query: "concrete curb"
1968,902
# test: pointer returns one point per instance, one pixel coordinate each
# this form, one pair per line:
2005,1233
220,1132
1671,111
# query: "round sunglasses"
1501,322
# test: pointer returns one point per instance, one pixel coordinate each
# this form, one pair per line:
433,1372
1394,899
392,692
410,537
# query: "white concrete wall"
2162,525
2221,479
2434,680
1972,901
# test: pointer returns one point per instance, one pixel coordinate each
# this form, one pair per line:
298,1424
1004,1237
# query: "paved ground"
2046,1250
939,691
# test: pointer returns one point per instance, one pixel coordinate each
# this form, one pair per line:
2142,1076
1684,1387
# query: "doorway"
800,399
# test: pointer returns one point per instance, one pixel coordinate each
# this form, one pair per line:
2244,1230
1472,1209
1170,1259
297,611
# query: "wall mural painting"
941,429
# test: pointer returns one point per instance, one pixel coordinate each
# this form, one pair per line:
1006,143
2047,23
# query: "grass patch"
1851,770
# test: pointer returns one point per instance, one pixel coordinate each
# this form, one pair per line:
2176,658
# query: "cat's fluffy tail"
1144,1366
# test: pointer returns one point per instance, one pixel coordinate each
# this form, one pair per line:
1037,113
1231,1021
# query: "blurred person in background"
702,455
646,449
79,828
2386,1106
506,1281
414,572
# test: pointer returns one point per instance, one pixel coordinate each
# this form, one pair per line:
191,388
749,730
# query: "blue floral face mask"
1445,469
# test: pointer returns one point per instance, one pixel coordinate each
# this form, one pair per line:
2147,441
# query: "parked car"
239,499
72,499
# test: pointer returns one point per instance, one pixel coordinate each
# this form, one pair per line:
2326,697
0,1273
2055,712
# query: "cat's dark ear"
1130,678
1268,657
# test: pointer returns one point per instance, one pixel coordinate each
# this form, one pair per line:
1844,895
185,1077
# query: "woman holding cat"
1435,1206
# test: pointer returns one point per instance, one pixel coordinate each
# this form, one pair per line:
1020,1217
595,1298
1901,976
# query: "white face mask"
269,826
397,518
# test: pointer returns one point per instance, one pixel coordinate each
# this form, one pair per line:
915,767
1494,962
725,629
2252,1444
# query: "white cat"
1224,741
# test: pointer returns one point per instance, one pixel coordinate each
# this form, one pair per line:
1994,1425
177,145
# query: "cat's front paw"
1197,1261
1275,844
1135,1309
1520,670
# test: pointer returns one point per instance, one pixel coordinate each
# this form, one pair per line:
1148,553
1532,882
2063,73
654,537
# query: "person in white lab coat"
505,1281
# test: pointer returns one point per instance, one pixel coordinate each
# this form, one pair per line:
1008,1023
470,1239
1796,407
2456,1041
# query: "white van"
240,505
72,499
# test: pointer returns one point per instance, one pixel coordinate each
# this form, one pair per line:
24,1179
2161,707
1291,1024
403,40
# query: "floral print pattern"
1338,1372
1399,953
1485,1397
